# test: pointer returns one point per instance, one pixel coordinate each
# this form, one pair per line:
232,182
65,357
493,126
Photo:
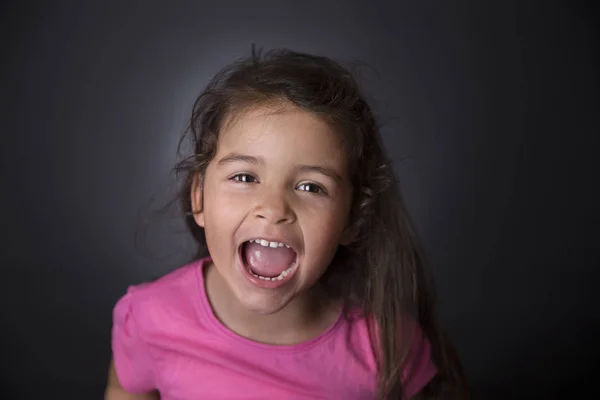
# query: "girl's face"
280,177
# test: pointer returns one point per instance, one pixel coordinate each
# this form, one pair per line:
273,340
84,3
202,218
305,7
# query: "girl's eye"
244,178
311,188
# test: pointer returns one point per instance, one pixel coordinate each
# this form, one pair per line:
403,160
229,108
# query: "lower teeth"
275,278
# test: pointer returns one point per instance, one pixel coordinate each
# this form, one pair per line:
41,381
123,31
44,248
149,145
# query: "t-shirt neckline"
206,313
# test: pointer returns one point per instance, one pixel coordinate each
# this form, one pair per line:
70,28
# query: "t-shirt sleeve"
131,355
420,369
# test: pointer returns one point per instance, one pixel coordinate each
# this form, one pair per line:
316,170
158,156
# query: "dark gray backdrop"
491,112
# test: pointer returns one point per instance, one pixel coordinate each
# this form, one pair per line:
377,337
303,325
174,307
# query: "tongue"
268,261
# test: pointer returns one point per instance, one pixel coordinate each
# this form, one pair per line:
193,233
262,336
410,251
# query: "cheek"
326,229
221,221
223,210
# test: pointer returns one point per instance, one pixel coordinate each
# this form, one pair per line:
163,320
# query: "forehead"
284,135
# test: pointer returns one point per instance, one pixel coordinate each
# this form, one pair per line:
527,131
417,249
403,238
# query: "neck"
305,317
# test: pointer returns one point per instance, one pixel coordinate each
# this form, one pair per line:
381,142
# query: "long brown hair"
382,271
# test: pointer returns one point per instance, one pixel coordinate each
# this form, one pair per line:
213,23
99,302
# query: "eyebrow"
237,157
323,171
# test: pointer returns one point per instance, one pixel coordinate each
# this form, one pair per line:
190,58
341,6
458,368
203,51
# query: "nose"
273,207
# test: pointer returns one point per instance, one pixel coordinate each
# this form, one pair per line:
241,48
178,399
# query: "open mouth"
268,260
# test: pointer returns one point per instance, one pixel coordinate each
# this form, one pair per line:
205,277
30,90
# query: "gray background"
490,111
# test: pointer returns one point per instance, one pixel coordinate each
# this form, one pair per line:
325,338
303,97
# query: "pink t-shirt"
166,337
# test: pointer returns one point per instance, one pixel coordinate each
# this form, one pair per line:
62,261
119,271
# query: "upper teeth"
266,243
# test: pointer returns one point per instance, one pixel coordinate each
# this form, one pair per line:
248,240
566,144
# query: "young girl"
308,283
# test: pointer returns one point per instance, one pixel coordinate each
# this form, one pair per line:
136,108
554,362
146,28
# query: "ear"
196,198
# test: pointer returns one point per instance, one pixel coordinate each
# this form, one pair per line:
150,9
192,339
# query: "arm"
114,390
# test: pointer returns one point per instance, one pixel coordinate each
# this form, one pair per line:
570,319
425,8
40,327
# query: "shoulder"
419,368
152,304
147,315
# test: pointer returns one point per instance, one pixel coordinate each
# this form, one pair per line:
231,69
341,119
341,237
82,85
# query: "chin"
263,303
